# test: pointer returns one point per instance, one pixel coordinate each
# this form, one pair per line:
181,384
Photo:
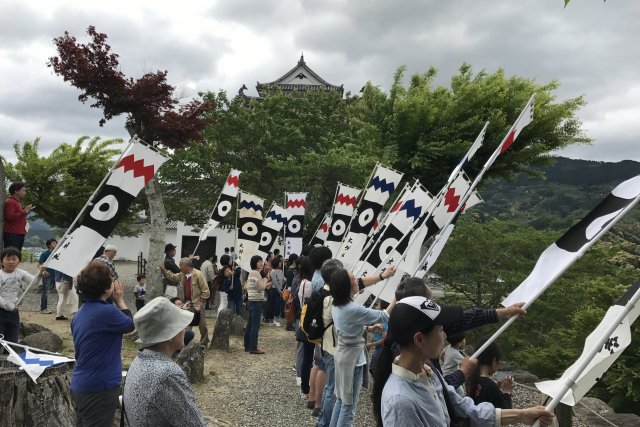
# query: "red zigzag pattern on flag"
296,203
451,200
346,200
233,181
138,168
324,227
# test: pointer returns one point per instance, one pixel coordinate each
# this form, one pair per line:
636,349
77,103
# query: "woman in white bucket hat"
157,391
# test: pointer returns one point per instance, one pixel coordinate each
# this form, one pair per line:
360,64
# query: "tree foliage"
153,112
431,127
281,143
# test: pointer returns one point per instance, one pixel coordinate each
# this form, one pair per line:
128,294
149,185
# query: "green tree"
483,261
281,143
431,128
61,183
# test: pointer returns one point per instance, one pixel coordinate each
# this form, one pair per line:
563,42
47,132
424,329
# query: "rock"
602,409
45,340
191,360
221,330
47,403
27,329
524,377
624,420
237,326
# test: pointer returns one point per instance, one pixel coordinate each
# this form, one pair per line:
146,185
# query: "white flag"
614,345
568,248
34,364
224,204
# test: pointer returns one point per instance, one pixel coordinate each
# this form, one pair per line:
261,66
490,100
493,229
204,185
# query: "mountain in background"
569,190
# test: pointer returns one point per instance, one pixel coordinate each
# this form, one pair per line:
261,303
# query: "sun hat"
413,314
111,247
160,320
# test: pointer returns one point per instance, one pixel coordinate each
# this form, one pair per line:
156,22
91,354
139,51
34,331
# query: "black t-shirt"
488,391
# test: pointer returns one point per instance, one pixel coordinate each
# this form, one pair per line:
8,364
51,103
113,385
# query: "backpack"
311,321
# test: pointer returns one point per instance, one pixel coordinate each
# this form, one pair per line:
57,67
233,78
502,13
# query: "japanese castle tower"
295,82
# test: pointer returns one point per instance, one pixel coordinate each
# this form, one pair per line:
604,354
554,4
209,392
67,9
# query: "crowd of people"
339,346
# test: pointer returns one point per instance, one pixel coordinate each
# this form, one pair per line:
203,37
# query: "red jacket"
15,218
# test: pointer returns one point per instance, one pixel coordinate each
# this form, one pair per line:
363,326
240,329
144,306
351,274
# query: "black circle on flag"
366,217
105,209
338,227
224,207
250,229
294,226
265,239
386,247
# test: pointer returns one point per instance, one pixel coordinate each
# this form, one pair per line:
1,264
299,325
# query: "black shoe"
316,412
61,318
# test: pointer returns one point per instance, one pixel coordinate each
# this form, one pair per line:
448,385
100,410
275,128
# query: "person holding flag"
408,391
11,280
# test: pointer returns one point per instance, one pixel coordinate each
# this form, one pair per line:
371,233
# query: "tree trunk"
2,199
47,403
158,219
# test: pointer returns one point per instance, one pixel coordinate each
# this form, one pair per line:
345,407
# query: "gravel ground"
241,389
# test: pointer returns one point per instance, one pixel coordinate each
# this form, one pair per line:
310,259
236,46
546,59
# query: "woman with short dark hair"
97,331
15,217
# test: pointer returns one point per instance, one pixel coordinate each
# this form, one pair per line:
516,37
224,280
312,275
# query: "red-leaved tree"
153,113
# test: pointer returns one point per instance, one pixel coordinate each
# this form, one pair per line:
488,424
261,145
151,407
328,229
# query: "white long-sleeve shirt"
11,286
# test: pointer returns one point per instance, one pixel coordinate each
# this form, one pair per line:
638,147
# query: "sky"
589,46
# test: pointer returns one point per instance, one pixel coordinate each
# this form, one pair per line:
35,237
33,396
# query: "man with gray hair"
107,257
195,290
329,341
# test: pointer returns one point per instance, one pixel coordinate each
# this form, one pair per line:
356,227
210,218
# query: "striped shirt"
256,286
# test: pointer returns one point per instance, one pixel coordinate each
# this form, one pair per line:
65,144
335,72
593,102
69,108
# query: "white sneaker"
298,381
275,323
45,311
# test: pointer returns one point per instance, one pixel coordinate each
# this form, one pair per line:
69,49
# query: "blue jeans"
235,306
253,325
343,414
9,325
47,285
188,337
328,394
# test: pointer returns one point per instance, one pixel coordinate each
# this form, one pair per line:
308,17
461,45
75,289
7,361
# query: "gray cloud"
588,46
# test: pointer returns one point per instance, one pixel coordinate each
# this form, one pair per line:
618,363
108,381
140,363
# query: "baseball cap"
413,314
168,247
